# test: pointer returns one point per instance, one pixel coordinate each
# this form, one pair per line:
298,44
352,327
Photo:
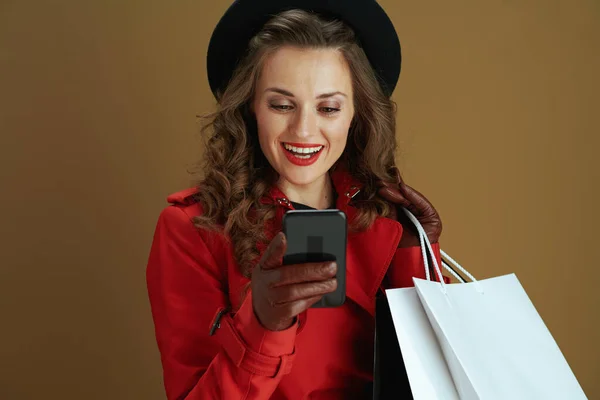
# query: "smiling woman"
303,123
304,120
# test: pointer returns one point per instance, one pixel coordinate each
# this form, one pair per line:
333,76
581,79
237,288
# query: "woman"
304,120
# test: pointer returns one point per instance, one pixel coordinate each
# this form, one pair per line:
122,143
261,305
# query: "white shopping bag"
478,340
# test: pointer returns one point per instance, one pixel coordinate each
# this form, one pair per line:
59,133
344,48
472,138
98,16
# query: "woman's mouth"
302,154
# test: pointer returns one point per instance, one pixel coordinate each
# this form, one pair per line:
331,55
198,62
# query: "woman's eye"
329,110
281,107
287,107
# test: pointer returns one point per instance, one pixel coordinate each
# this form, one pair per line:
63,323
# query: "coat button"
283,201
353,191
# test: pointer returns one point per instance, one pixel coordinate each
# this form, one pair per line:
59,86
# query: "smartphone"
318,236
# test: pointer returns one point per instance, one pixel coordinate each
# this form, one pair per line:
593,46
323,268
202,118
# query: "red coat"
192,274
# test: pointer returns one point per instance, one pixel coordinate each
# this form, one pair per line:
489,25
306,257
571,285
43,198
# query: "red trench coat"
192,274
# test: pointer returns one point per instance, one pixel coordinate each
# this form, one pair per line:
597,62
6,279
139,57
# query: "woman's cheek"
338,141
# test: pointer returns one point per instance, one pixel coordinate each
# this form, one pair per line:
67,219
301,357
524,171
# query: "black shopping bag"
390,380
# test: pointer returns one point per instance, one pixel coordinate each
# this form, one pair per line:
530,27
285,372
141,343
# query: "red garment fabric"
192,276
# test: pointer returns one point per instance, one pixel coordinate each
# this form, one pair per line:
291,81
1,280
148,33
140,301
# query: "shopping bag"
422,360
390,380
477,340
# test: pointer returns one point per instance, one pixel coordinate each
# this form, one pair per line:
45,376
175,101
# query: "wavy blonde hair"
237,174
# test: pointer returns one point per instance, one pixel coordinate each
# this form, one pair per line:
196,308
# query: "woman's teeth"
302,152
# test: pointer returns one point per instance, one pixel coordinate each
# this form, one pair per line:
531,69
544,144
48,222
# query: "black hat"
244,19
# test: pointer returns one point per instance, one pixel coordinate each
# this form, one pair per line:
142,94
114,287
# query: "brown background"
498,121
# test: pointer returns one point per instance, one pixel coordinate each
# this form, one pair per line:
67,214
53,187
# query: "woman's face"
303,107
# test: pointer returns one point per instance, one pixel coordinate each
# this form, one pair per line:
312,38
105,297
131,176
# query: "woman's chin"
301,178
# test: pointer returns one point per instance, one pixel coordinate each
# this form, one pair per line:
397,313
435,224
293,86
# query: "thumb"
273,256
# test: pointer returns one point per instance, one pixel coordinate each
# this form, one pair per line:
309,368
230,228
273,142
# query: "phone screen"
318,236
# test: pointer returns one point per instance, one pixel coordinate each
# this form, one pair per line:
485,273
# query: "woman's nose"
304,123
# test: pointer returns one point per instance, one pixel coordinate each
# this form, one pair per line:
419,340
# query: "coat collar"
344,184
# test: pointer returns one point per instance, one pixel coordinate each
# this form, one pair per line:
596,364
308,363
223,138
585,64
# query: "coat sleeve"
408,263
187,288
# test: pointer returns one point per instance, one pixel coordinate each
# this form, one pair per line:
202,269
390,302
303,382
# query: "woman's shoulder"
179,217
177,236
184,197
187,201
182,208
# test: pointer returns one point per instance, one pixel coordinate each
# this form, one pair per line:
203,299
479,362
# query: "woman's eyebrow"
330,94
290,94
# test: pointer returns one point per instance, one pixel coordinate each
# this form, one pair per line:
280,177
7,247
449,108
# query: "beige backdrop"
498,121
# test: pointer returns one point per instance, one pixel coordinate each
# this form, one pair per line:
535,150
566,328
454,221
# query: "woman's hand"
281,292
403,195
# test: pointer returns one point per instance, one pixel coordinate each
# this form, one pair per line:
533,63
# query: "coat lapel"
369,253
368,256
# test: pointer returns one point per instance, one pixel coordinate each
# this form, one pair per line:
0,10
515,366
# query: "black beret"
244,19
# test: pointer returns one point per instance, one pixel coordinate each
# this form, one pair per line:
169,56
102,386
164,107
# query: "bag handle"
426,246
456,265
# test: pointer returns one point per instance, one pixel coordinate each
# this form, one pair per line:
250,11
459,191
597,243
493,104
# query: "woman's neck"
317,194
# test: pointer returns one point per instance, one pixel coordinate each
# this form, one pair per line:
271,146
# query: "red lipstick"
301,160
303,145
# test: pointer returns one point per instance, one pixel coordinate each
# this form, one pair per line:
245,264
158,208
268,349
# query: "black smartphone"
318,236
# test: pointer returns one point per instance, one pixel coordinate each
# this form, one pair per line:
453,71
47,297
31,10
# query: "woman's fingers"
403,195
283,295
280,293
297,307
416,199
302,273
274,253
393,195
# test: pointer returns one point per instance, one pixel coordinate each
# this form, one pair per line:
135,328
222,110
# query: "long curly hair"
237,174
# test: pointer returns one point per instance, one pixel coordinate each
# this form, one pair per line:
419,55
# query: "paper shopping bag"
495,344
479,340
422,361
